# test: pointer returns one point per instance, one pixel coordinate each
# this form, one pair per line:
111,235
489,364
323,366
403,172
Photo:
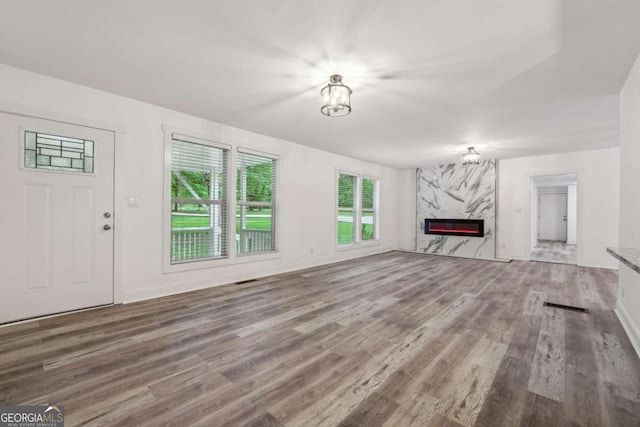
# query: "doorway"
57,217
552,215
554,218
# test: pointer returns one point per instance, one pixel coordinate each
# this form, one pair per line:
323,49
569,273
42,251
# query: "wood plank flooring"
396,339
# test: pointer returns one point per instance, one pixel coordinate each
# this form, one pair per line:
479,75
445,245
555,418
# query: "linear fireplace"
454,227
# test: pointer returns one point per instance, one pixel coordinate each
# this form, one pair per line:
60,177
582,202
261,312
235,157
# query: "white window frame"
376,210
232,258
274,203
357,242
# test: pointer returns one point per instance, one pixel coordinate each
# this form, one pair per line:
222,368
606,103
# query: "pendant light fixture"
471,157
337,97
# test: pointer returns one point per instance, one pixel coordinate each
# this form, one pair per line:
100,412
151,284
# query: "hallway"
553,251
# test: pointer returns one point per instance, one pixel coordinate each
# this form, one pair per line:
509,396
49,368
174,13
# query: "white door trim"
119,201
528,177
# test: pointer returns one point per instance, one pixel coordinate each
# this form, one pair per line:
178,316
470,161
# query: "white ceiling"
430,77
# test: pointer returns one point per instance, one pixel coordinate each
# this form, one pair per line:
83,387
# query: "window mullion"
197,201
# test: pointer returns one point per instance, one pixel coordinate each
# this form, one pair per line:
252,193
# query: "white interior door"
553,217
56,218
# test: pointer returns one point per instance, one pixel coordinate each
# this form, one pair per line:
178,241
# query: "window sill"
222,262
359,245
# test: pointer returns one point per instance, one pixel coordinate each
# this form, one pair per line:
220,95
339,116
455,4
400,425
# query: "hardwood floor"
394,339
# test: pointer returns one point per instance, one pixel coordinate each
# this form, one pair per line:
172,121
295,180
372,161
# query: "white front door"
56,221
553,217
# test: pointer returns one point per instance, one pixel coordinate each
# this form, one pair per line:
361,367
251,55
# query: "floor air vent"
566,307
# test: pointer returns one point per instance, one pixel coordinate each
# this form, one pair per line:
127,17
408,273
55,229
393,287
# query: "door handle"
106,227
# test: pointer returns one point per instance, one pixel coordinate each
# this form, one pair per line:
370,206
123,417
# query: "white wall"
572,214
534,224
629,281
407,210
306,193
598,187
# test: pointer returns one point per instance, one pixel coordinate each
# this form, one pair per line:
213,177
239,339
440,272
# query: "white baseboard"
629,326
134,295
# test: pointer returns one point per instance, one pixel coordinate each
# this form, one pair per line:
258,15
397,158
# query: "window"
368,209
60,153
198,201
347,185
357,209
256,203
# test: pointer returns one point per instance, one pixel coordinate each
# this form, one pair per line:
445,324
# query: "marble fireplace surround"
455,191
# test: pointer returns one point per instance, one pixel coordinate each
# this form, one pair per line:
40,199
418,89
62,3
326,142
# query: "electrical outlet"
134,202
311,250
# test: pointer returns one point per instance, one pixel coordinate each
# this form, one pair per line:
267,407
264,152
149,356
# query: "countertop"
628,256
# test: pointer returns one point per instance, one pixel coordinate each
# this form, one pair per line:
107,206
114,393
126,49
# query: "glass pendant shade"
337,98
471,157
